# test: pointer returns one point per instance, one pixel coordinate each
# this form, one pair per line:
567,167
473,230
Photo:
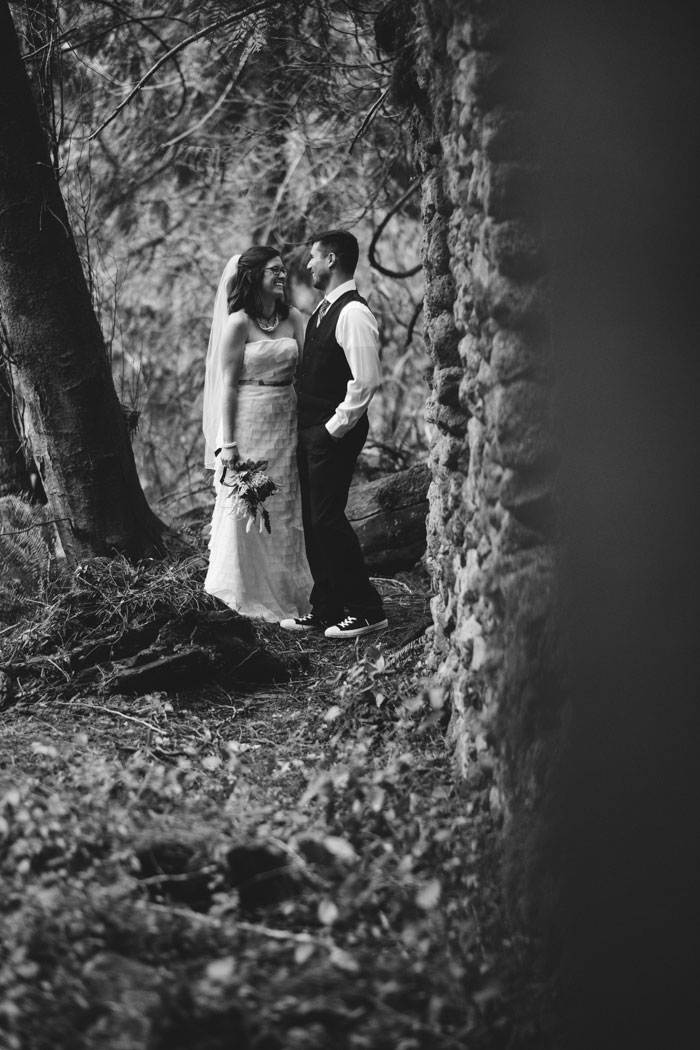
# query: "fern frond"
28,551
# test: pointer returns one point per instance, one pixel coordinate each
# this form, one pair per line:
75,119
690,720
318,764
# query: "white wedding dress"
261,574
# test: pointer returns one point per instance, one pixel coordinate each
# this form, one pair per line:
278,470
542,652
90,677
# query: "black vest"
325,373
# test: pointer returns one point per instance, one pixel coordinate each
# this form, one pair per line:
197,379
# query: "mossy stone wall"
491,519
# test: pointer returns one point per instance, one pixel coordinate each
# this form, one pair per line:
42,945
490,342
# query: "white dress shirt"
357,333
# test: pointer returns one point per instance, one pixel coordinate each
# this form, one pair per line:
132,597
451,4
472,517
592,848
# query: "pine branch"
239,16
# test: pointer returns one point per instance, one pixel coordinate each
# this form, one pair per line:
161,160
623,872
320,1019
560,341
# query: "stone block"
471,396
485,375
476,187
439,294
520,488
481,77
514,356
436,257
526,585
433,198
463,308
491,482
514,304
470,351
512,191
472,574
508,137
517,535
443,339
520,416
467,120
481,267
514,248
446,385
447,454
455,531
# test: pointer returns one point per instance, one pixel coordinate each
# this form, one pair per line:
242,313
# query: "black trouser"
341,580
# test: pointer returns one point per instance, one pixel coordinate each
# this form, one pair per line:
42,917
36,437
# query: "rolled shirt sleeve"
357,333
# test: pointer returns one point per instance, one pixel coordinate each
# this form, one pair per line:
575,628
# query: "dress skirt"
261,574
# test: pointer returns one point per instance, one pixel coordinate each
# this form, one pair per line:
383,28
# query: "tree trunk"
14,476
73,420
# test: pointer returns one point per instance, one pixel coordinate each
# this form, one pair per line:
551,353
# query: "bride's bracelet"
229,444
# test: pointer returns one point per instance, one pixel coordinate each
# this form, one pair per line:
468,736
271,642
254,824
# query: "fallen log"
170,653
165,672
388,516
193,666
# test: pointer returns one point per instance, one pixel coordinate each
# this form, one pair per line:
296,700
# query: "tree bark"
14,476
73,420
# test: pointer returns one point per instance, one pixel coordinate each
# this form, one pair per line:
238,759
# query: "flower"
250,486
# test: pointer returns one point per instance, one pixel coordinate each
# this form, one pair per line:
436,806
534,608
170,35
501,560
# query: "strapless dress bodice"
270,360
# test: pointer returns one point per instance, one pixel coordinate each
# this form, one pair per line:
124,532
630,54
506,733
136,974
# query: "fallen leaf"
44,749
303,952
437,697
327,912
221,969
429,894
340,848
343,960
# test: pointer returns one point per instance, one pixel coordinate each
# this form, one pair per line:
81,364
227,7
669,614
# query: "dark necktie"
322,310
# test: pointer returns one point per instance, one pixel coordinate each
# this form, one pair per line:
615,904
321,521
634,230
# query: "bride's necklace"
267,324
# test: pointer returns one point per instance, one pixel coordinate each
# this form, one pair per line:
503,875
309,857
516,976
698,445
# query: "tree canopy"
182,135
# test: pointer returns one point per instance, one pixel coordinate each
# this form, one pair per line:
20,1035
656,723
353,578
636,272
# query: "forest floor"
285,866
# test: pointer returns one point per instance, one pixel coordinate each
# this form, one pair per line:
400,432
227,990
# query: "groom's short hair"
343,245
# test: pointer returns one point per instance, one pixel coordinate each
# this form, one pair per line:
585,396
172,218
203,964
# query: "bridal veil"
211,414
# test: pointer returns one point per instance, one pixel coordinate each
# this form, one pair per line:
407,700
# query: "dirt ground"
285,866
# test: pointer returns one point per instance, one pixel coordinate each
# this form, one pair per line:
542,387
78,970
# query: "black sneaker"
310,622
354,626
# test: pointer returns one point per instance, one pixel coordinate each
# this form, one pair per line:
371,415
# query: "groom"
338,376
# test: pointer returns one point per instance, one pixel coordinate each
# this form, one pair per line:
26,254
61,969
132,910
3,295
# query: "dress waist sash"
266,382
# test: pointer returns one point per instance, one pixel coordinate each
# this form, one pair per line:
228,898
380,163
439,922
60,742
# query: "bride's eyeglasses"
279,271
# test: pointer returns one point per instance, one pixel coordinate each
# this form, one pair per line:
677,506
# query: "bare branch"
65,37
247,52
200,123
369,117
412,324
239,16
371,252
36,525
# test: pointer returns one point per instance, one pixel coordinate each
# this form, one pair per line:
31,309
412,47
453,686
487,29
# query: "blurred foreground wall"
574,128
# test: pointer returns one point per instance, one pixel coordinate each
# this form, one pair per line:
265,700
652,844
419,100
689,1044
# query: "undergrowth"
108,595
376,920
29,555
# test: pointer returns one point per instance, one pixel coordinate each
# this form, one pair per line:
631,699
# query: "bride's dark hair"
244,293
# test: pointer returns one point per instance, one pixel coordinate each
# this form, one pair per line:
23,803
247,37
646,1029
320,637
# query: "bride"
250,414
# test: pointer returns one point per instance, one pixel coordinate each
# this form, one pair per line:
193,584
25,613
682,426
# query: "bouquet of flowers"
250,486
